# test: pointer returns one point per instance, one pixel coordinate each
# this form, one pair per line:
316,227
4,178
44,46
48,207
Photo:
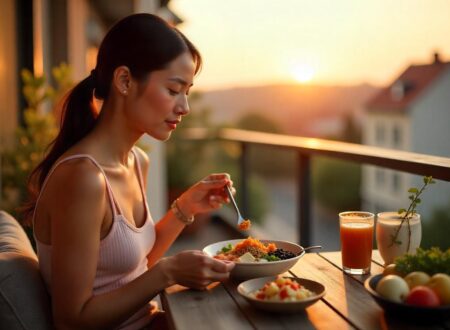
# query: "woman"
99,251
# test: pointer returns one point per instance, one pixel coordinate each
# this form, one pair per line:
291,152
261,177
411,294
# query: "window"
379,177
397,136
395,182
380,133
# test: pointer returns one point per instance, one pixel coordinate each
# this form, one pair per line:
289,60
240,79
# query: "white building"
411,114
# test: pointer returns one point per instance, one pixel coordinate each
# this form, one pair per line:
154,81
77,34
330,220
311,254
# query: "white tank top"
123,252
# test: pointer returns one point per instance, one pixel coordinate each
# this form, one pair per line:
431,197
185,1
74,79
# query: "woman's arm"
206,195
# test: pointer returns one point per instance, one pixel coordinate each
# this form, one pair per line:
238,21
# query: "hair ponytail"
78,118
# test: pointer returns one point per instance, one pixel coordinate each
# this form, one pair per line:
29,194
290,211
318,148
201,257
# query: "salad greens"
430,261
227,248
270,257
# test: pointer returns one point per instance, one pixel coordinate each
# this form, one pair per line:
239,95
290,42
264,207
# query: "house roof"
405,89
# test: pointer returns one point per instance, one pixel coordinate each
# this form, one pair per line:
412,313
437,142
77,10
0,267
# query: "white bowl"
247,287
246,270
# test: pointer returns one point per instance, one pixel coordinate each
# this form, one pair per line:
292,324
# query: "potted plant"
398,233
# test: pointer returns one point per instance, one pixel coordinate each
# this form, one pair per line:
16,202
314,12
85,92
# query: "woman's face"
161,101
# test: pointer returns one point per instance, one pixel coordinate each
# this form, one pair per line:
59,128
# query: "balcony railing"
421,164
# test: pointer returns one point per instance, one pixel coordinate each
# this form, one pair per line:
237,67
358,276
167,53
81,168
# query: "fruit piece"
440,283
422,296
393,287
416,278
390,270
272,289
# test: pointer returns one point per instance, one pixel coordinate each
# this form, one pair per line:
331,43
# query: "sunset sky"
258,42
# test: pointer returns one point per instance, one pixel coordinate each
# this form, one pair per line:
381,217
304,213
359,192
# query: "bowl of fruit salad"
281,294
414,286
256,258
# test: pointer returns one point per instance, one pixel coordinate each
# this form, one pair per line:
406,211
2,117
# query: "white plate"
246,270
247,287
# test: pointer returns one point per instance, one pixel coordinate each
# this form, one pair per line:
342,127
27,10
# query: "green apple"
393,287
440,283
416,278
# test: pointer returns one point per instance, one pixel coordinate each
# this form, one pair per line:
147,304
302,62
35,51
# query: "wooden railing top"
421,164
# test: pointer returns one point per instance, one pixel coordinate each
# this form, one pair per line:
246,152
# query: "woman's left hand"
206,195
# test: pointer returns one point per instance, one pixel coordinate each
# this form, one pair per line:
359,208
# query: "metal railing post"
304,199
244,178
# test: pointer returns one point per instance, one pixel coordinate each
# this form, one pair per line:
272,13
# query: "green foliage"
411,210
32,139
430,261
414,198
254,121
435,231
267,161
336,183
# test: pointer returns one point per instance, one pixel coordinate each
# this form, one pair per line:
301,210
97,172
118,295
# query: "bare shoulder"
77,182
80,175
143,159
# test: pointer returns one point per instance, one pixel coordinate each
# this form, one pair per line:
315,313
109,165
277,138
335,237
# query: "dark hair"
142,42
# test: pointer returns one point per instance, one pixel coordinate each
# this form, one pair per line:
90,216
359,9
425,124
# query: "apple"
422,295
416,278
393,287
440,283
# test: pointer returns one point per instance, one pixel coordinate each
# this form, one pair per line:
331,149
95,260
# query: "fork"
240,218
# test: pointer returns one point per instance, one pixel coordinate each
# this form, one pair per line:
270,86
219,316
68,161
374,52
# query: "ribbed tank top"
123,252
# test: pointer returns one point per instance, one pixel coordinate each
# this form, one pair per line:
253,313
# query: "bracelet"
179,215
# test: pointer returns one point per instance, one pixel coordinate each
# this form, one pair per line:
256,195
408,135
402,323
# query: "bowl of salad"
281,294
256,258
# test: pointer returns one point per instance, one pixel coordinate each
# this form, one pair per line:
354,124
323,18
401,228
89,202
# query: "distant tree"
336,184
254,121
351,131
435,231
263,160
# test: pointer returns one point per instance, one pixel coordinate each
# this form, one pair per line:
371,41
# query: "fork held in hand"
230,194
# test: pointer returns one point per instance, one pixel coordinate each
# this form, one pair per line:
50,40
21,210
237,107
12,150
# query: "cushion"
24,301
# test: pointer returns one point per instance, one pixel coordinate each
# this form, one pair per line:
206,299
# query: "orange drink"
356,228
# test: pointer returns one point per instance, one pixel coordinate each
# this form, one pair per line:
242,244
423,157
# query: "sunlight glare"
303,73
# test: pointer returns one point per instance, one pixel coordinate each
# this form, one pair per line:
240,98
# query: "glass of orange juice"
356,228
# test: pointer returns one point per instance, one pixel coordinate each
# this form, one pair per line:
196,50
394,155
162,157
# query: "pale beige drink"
386,227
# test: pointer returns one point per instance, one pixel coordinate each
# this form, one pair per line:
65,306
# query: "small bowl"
247,270
402,309
247,287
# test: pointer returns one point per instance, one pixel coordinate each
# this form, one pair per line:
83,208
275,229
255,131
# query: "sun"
303,73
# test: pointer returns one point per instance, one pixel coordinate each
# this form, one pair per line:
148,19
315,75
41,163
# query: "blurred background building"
410,114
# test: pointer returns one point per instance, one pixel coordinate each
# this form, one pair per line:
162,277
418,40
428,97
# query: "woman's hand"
206,195
195,269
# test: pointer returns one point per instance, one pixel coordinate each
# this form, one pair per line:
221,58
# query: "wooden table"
346,304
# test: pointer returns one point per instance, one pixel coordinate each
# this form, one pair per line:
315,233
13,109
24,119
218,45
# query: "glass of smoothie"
356,230
407,240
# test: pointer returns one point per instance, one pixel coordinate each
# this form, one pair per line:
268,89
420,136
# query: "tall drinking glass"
356,229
